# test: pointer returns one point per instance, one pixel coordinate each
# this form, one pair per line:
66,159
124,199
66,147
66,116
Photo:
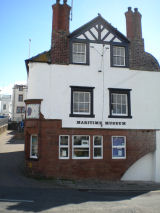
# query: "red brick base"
138,144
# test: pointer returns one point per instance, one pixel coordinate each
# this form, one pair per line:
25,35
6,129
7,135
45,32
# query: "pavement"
13,174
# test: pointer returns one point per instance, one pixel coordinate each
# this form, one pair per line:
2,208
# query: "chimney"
133,24
60,32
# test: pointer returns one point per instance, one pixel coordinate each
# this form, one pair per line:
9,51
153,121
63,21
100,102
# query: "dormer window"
80,53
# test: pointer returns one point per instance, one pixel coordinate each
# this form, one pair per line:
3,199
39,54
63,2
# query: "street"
19,193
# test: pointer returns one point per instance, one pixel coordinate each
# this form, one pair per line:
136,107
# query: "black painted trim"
113,44
120,91
85,89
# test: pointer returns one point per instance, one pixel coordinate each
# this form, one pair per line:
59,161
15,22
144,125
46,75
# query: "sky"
22,20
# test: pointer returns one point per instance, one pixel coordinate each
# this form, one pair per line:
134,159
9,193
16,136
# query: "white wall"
141,170
157,158
52,84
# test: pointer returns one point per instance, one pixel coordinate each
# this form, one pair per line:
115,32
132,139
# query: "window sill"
119,66
79,63
33,158
82,115
117,116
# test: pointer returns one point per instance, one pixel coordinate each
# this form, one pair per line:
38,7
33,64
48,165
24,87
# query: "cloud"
7,90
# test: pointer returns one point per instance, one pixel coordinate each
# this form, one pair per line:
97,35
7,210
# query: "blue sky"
21,20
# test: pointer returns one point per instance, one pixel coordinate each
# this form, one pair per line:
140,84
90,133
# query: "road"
21,194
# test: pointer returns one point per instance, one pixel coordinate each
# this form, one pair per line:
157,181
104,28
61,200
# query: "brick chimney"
60,32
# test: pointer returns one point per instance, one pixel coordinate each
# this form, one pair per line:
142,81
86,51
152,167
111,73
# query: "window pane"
34,146
118,152
118,109
118,141
79,53
81,96
75,96
114,98
87,97
64,140
114,111
63,152
81,152
75,107
124,109
97,140
124,96
98,152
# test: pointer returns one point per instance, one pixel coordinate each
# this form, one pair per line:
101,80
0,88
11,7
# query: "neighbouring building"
18,104
5,105
92,108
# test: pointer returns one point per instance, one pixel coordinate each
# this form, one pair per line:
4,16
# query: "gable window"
20,98
120,106
20,88
81,102
118,147
97,147
81,147
34,146
119,56
63,147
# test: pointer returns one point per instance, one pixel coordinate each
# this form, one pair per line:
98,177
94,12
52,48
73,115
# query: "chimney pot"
135,9
64,1
129,8
57,1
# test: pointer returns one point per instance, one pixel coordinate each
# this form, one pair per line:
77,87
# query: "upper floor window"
20,110
20,98
20,88
81,102
120,106
4,107
79,53
119,56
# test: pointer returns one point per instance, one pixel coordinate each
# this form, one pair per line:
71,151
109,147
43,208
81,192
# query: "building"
18,105
5,105
96,115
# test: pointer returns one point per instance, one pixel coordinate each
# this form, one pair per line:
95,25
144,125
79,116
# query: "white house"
92,109
18,105
5,105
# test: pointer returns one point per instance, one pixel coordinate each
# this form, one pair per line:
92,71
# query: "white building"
5,105
18,105
92,106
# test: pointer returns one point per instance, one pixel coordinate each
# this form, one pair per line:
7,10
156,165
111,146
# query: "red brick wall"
138,144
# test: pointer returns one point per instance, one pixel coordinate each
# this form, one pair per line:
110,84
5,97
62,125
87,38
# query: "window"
20,88
4,106
34,146
119,56
81,147
81,102
20,98
97,147
79,53
64,147
118,147
20,109
120,106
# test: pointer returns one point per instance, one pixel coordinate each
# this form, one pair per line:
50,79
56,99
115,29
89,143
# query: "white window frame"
98,146
32,156
78,53
122,146
119,55
120,114
80,146
64,146
84,113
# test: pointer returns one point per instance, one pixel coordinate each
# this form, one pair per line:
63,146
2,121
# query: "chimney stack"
60,32
133,24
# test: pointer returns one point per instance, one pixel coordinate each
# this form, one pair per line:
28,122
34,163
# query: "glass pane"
75,107
75,96
63,140
124,109
63,152
81,96
119,98
81,152
114,97
118,141
34,148
97,152
118,152
114,50
78,140
118,50
114,111
81,107
124,99
86,108
119,109
87,97
97,140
